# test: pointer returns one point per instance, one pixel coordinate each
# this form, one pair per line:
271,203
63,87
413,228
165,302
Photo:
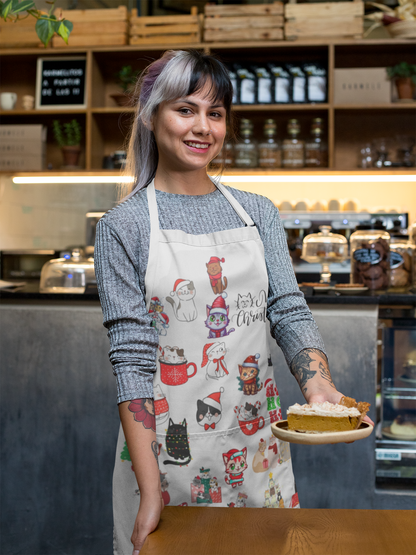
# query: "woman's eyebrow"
196,105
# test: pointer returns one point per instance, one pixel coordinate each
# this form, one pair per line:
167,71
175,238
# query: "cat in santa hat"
217,318
209,410
182,300
213,357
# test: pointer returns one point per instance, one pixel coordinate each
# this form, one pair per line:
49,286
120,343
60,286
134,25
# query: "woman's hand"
146,521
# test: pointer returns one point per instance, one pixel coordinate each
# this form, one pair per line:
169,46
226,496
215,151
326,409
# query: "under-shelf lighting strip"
297,178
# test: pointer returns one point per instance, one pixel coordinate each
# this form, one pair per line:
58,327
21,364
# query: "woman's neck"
184,183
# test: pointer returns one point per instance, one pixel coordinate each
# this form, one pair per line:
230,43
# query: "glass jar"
370,256
324,248
270,154
402,255
293,155
246,155
225,158
316,149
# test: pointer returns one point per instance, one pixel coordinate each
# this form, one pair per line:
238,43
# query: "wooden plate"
281,431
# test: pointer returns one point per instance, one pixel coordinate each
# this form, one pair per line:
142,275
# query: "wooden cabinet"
106,125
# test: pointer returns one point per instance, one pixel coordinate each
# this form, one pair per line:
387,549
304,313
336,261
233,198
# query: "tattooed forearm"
300,368
325,374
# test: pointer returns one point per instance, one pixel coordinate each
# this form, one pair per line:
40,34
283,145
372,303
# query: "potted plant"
126,78
404,76
68,137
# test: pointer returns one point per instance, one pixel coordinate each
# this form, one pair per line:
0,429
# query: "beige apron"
214,389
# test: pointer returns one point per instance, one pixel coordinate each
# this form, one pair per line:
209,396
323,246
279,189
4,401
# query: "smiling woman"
187,271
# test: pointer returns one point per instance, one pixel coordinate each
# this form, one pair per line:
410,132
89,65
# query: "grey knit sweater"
121,254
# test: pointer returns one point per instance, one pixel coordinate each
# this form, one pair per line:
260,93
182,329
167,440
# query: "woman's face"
189,131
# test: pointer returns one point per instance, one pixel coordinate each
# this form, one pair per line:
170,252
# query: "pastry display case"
396,414
325,248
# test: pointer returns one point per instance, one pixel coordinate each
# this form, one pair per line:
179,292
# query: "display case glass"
396,428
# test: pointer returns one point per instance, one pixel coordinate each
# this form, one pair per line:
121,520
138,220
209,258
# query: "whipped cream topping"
323,409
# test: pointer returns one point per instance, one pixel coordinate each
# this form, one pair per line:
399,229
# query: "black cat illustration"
177,444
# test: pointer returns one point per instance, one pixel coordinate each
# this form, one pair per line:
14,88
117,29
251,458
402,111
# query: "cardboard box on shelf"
368,85
22,147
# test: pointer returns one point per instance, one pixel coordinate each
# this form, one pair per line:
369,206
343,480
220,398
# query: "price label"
388,455
396,260
367,256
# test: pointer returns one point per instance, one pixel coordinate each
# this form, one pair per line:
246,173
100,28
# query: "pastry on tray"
326,417
403,428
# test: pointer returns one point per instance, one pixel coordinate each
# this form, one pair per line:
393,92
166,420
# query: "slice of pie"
318,418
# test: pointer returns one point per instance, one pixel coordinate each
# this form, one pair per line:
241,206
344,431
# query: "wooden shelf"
278,107
392,106
106,125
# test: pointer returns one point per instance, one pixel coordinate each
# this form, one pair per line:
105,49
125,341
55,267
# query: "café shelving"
106,125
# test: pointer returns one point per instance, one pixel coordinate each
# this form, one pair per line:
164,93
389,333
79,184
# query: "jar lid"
399,236
376,225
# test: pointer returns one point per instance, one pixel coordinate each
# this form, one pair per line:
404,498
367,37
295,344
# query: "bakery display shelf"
113,110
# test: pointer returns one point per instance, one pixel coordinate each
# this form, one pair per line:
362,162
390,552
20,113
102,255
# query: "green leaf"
45,30
7,8
24,6
65,29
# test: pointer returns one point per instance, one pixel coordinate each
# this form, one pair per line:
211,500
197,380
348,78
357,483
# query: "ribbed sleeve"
121,255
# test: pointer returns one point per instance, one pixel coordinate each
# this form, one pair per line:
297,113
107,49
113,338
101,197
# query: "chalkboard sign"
61,83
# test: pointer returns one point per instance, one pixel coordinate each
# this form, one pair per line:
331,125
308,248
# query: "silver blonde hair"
168,78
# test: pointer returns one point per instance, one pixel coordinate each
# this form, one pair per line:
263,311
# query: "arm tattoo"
325,374
300,368
154,449
144,411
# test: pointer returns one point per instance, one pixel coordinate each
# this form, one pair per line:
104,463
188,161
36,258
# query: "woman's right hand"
146,521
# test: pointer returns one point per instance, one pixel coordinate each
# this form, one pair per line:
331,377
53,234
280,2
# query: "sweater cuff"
133,383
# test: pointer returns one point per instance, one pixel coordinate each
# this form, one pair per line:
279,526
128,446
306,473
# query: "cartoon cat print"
209,410
244,302
214,269
182,300
213,357
249,376
260,460
160,320
218,318
235,461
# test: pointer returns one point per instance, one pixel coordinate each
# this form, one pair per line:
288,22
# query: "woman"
187,272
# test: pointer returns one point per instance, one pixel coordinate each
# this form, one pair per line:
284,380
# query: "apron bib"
214,390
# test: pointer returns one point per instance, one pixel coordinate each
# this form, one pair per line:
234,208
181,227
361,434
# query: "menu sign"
61,82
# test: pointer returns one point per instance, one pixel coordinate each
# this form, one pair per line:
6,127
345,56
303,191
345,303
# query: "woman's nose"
202,125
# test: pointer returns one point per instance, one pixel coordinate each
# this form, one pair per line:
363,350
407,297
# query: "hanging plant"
46,25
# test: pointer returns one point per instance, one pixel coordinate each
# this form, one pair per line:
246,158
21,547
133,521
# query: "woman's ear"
148,124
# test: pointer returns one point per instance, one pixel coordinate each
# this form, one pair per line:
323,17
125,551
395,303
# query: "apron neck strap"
154,216
234,203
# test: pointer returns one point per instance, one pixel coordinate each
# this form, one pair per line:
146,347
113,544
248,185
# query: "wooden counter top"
224,531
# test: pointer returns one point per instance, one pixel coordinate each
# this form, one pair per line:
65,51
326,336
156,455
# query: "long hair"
176,74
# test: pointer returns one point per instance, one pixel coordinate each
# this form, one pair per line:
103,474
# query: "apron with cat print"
214,390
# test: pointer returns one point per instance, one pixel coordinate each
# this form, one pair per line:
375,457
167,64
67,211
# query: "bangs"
209,70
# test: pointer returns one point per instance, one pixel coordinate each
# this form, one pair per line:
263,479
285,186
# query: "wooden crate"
20,34
169,29
323,20
243,22
108,27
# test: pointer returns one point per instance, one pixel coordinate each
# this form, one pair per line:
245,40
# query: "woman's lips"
196,146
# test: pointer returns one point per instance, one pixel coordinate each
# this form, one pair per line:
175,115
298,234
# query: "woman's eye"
216,114
184,111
